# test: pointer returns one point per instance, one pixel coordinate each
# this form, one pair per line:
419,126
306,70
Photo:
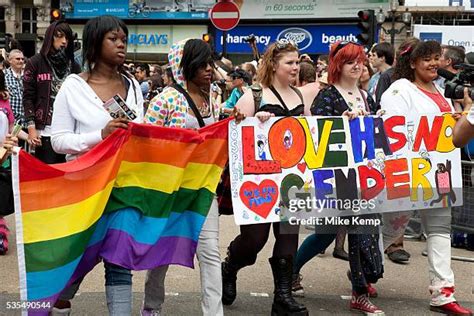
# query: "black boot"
283,301
229,279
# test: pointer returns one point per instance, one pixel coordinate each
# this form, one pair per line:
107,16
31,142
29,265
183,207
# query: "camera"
250,38
220,82
215,88
454,88
218,86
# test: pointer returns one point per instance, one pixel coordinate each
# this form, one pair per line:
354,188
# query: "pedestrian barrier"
463,216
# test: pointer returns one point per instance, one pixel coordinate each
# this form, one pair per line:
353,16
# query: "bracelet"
31,124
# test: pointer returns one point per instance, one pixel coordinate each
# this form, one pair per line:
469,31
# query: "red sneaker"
3,237
361,303
452,308
372,291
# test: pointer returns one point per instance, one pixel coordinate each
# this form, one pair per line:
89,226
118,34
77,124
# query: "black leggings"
46,154
252,239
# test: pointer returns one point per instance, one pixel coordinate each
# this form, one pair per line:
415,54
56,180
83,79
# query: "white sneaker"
61,311
148,312
297,289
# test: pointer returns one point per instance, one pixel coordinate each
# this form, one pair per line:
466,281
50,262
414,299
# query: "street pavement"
402,291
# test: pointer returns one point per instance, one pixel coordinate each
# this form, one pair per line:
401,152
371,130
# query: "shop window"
28,24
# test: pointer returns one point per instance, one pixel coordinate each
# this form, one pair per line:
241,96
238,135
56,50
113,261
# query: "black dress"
282,110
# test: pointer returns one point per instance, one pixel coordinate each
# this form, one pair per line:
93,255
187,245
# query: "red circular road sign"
225,15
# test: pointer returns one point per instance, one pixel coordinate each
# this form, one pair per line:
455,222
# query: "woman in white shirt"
413,93
80,122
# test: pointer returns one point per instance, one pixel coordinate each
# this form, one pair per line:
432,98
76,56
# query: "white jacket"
79,116
404,98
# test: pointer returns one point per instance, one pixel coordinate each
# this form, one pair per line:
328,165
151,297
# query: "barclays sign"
298,35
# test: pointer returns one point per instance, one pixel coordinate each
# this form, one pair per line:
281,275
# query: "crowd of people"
59,104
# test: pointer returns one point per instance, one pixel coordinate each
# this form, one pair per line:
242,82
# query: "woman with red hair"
343,97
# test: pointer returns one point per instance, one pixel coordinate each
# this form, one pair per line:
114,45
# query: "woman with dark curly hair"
413,93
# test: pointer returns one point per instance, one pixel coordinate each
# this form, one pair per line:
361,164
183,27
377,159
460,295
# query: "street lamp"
392,14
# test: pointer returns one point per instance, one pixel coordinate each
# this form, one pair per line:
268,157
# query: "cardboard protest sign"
330,166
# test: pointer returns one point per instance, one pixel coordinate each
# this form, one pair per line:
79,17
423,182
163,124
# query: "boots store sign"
314,39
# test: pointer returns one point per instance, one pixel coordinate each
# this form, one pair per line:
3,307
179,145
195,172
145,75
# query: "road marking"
259,294
171,294
346,297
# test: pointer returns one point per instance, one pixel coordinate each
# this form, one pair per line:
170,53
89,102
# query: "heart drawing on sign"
302,167
260,198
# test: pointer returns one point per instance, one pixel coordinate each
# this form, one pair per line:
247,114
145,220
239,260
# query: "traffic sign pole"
224,43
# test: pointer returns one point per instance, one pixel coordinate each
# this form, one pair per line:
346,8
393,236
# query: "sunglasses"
283,43
19,58
343,44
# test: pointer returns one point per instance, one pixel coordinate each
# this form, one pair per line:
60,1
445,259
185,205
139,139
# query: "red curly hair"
339,56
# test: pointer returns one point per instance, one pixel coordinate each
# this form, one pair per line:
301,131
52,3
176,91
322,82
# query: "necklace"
202,104
353,100
429,88
204,108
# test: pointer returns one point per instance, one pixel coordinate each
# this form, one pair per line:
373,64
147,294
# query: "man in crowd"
142,72
381,59
14,82
239,81
451,57
307,83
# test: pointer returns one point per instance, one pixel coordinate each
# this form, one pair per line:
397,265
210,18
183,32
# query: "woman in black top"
276,74
44,74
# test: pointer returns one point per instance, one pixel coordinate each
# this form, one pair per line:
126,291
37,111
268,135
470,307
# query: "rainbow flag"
138,199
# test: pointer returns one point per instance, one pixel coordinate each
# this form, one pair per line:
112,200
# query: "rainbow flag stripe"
138,200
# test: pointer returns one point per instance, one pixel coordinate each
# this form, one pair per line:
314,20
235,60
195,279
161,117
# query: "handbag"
6,192
224,194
